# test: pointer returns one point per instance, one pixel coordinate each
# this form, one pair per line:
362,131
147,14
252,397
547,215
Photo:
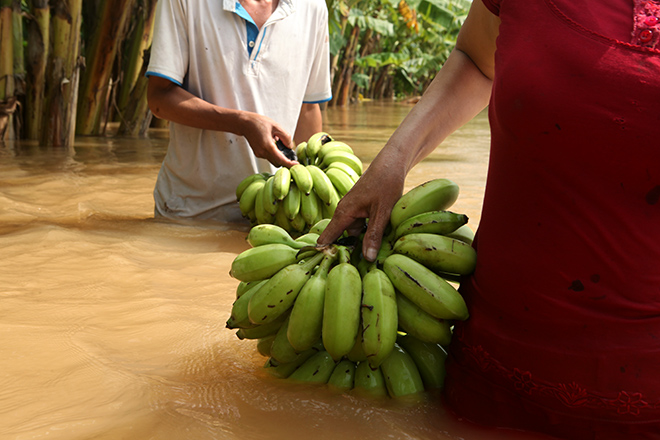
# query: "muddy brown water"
112,323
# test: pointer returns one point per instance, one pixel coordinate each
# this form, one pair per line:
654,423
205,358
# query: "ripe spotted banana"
262,262
379,316
341,309
401,375
438,252
434,195
431,222
425,288
429,358
280,291
416,322
306,319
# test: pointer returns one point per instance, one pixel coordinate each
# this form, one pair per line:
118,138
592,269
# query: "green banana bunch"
369,382
416,322
429,358
379,316
316,369
464,234
239,310
349,159
431,222
281,183
401,374
278,294
341,310
281,350
264,344
425,288
302,178
332,146
269,200
284,369
306,319
322,184
438,252
263,330
434,195
261,262
314,144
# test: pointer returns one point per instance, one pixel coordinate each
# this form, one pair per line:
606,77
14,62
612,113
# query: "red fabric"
564,328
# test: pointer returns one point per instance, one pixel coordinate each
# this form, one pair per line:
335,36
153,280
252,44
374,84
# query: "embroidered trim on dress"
646,29
571,395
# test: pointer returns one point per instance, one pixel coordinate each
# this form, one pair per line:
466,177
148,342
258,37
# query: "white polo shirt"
213,49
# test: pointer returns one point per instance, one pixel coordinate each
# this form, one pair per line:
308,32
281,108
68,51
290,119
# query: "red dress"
564,328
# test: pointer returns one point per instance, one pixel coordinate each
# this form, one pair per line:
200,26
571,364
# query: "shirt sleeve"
169,49
319,87
493,6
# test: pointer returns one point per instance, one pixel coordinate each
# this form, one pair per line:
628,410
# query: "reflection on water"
112,323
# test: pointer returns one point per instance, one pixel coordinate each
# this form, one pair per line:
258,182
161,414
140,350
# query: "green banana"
298,222
301,154
332,146
281,219
464,233
343,376
280,291
260,235
239,309
306,319
262,262
281,350
244,286
416,322
328,209
281,183
284,370
264,344
261,331
314,144
357,352
345,168
309,239
425,288
379,316
341,309
431,222
340,180
310,207
249,196
402,377
322,185
429,358
291,203
434,195
269,199
349,159
438,253
302,178
242,186
369,382
316,369
261,215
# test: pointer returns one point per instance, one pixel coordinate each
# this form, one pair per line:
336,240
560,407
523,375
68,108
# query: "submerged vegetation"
68,67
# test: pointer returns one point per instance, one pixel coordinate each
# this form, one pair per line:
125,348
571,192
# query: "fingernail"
371,254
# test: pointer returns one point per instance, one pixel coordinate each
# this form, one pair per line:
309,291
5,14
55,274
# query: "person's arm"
310,122
169,101
458,93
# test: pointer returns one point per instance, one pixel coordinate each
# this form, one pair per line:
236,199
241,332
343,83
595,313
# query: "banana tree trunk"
100,56
38,35
343,86
63,74
137,116
139,43
7,90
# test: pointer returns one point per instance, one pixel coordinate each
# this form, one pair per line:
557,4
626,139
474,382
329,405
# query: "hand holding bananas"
298,197
325,314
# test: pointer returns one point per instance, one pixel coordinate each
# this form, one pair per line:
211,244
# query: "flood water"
113,324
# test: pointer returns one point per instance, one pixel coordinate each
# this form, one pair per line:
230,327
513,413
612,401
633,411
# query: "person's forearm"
309,122
175,104
457,94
